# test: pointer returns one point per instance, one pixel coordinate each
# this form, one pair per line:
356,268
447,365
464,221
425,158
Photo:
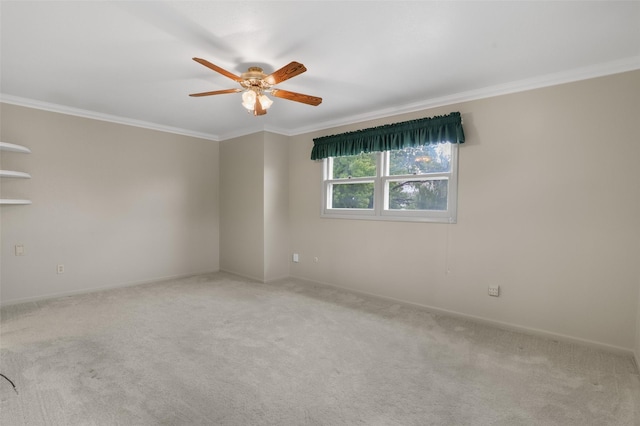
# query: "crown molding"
547,80
242,132
46,106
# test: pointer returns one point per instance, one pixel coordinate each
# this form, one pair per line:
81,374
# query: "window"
412,184
400,171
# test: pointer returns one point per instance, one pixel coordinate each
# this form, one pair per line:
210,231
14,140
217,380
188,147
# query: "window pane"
352,196
362,165
422,159
418,194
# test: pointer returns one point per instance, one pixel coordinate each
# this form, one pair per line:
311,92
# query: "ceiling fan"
255,84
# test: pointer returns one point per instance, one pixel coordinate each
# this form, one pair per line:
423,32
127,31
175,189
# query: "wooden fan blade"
298,97
285,73
218,69
216,92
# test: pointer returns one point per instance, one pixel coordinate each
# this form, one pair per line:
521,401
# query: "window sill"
388,217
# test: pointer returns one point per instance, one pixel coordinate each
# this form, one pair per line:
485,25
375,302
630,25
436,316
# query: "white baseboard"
251,277
272,280
239,274
498,324
97,289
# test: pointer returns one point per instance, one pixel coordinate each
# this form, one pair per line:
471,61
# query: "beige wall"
242,206
254,201
276,206
115,204
549,209
637,347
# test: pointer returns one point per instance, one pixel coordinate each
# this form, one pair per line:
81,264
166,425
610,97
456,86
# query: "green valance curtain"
423,131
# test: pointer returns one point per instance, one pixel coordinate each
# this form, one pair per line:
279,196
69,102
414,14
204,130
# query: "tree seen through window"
415,182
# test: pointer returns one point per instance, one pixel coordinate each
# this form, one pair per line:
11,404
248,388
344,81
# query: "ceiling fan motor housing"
255,78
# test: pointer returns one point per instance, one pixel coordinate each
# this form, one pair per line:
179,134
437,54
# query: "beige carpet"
221,350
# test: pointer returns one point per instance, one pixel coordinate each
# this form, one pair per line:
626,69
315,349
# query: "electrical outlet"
296,258
494,290
19,250
60,269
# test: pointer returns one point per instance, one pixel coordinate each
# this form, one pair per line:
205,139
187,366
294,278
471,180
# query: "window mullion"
381,170
352,180
425,176
410,202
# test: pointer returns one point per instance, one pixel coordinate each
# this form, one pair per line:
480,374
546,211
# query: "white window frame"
380,210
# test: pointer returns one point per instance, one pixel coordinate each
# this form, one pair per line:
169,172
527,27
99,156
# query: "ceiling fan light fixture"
249,99
265,101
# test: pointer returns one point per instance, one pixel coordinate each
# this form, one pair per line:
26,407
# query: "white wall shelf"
14,201
11,147
4,146
12,174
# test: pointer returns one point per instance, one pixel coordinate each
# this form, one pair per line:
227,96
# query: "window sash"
386,182
381,210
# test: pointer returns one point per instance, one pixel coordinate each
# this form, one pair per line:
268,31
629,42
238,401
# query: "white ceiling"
131,61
